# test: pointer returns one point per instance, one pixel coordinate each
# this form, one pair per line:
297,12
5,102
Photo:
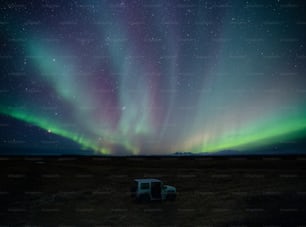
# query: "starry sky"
152,76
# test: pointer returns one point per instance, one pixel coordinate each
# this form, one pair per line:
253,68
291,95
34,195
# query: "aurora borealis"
154,77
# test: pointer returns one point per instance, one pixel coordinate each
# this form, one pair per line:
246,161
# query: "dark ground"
94,191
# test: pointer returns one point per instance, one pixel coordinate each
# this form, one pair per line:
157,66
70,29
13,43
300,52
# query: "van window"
144,186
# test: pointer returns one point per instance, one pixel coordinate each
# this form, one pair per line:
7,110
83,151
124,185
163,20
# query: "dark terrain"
94,191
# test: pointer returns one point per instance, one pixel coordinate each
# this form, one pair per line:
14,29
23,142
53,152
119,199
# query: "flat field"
95,191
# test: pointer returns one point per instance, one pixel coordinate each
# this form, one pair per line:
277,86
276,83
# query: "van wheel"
144,198
171,197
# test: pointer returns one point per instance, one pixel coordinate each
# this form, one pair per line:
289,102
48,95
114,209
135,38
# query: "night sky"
152,76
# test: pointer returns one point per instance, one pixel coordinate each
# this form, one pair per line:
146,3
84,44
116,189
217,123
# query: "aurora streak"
158,77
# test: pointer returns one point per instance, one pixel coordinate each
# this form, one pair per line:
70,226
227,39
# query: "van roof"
146,180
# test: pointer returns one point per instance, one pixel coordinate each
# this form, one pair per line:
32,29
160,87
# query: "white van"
149,189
